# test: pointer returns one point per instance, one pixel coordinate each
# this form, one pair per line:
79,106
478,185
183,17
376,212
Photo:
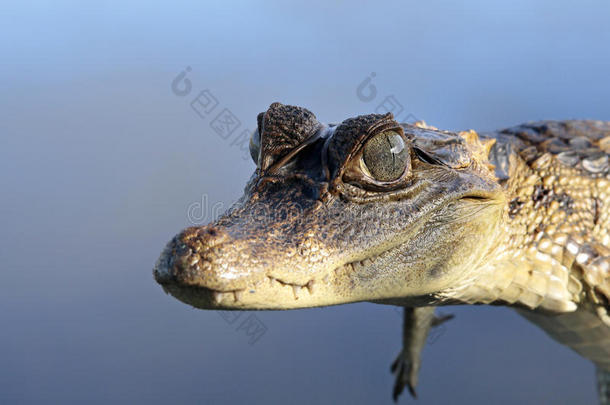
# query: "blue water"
101,163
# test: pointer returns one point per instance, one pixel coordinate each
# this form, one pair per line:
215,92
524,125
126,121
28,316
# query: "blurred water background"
100,163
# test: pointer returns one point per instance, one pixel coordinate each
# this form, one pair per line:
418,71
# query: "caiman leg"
585,333
416,327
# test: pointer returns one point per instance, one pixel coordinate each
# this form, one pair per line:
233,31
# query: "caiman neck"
530,265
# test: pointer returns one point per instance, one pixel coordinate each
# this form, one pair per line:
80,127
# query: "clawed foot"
417,324
406,371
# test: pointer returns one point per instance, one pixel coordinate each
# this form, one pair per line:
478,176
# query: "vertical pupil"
385,156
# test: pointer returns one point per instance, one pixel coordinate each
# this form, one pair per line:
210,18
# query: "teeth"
237,295
310,286
275,282
218,297
296,289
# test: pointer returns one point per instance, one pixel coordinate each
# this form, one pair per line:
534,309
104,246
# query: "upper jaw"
278,287
209,286
267,292
200,267
329,283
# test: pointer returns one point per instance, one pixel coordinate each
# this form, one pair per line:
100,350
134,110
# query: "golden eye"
385,156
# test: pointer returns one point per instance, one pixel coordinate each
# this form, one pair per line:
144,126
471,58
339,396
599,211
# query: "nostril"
189,255
207,231
183,250
212,236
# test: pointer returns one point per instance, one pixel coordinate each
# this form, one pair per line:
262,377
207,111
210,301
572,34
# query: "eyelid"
364,168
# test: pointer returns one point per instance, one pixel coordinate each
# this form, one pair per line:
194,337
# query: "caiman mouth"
196,295
269,293
205,297
272,293
191,274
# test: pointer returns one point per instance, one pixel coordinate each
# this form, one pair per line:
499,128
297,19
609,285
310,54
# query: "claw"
404,377
417,324
438,320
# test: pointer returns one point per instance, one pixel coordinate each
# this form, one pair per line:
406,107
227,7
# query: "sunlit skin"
373,210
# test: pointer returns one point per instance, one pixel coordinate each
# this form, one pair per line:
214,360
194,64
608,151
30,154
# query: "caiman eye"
255,146
385,156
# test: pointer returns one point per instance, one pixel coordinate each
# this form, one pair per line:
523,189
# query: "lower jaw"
281,298
277,294
198,297
272,293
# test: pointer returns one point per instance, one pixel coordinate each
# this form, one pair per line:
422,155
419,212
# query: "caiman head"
367,210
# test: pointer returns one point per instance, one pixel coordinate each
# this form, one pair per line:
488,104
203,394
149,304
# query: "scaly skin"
372,210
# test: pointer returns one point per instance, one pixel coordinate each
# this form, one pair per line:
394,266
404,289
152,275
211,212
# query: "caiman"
410,215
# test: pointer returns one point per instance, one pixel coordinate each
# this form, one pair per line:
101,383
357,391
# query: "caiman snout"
331,210
188,258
